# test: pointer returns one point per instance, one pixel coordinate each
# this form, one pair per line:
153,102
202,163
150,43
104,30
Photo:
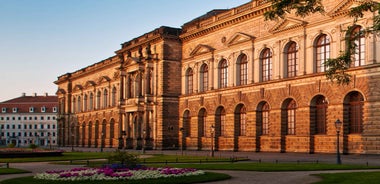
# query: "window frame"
266,65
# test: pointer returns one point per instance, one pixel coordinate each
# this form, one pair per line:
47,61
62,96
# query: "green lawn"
270,167
356,177
11,171
66,156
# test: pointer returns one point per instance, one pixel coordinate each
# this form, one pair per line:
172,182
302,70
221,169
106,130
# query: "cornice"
224,21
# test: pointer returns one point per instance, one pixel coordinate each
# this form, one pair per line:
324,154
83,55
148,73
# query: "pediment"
90,83
78,87
201,49
131,61
60,91
239,38
104,79
343,8
287,24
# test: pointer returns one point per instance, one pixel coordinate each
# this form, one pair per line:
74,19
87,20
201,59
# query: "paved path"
238,177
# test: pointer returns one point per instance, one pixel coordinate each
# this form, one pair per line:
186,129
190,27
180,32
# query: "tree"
336,67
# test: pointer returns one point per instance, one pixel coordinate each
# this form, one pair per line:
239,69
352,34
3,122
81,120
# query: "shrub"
33,146
124,158
11,145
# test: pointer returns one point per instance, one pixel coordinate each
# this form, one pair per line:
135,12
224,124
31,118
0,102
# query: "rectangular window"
53,126
13,126
35,126
31,109
3,110
54,109
42,118
43,109
14,109
19,126
13,118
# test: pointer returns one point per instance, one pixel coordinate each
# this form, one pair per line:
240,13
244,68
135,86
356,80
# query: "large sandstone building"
229,80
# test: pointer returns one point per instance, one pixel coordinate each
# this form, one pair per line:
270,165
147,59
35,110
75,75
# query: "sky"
43,39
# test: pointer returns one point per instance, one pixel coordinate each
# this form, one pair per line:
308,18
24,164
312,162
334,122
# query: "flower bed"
108,173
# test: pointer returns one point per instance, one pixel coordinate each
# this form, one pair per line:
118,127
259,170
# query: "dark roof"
24,103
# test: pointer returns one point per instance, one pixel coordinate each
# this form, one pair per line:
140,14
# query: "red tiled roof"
24,103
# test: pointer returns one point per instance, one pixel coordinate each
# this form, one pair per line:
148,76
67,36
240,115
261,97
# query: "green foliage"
123,157
302,8
11,145
33,146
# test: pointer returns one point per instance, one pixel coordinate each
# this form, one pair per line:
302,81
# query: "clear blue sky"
43,39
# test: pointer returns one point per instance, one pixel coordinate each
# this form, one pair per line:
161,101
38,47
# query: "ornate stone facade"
129,100
229,80
256,85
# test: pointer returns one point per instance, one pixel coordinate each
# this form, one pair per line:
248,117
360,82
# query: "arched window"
320,115
266,65
265,119
291,117
222,117
186,124
292,59
243,121
91,104
85,103
189,81
223,73
322,51
73,107
130,92
202,126
358,40
105,98
138,85
79,104
204,78
354,101
113,98
98,96
242,70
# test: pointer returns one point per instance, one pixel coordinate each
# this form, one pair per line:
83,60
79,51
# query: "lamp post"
338,124
101,142
143,143
212,140
181,130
